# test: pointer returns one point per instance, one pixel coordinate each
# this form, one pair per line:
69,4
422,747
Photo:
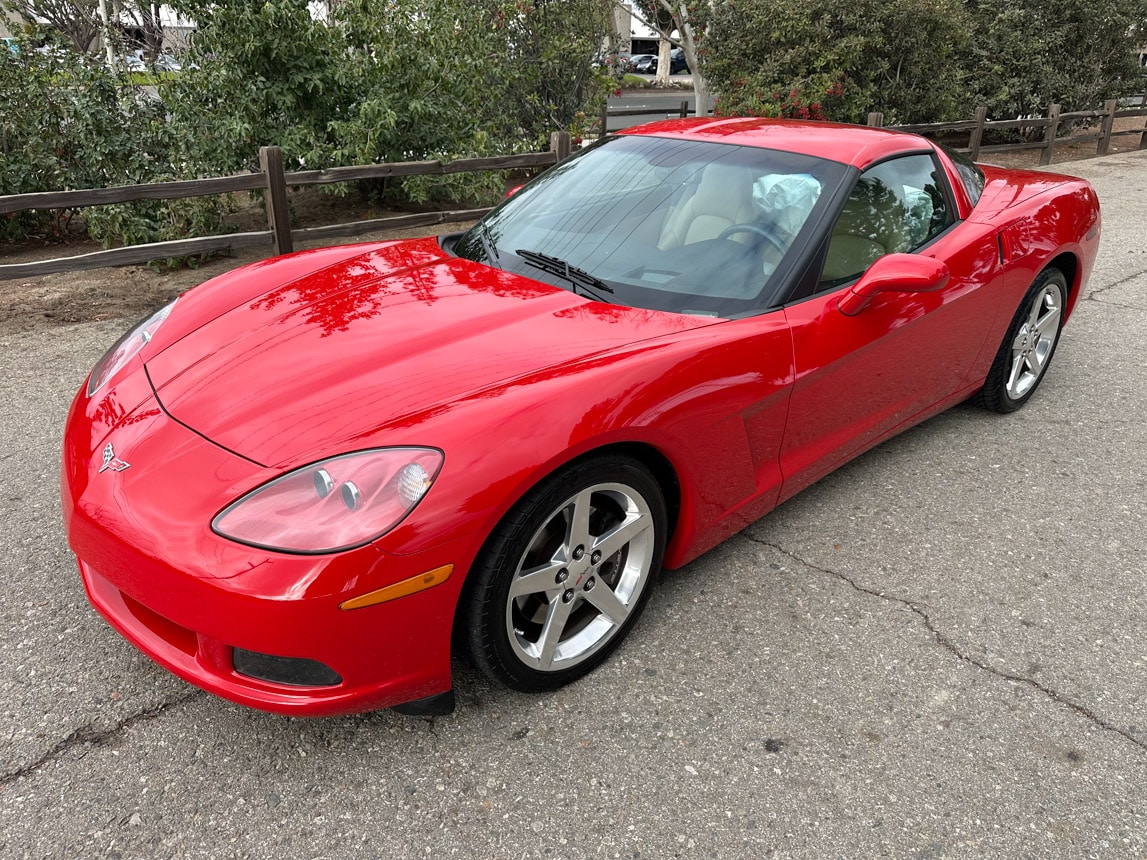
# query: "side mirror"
895,273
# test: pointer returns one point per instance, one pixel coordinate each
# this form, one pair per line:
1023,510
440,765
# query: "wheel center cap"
580,572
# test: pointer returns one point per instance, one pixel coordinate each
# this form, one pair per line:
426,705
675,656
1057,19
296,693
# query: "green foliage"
919,60
74,22
548,79
259,74
634,82
1031,53
835,60
69,123
142,221
387,80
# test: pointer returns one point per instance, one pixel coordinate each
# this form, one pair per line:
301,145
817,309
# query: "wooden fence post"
605,118
876,119
1143,136
977,135
1049,136
684,108
278,213
560,143
1105,130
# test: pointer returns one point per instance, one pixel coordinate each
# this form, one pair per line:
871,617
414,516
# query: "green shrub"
387,81
828,59
919,60
68,123
1028,54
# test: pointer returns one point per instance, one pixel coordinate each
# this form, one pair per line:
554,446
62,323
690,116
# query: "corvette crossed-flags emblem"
111,461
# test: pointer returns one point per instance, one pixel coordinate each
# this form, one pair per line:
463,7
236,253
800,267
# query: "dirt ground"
134,291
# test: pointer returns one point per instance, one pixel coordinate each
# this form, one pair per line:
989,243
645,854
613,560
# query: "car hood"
323,364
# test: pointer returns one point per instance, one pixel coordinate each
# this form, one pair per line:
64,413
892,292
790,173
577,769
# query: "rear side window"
970,175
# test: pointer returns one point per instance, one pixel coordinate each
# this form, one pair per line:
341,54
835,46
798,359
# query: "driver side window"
896,206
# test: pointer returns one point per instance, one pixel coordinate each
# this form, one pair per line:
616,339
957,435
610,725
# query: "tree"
1030,53
146,18
545,50
835,60
665,16
659,19
78,20
259,74
385,80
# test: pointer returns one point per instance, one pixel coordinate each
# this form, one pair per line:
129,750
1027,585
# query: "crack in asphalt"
95,738
948,645
1119,305
1094,294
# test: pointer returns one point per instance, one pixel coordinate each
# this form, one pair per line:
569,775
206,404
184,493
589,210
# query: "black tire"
1023,358
553,629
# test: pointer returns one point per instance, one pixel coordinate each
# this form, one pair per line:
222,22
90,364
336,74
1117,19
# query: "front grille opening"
296,671
163,628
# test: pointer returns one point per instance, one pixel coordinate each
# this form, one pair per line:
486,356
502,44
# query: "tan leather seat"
872,224
723,197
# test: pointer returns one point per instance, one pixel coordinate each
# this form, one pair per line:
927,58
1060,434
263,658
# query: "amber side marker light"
401,589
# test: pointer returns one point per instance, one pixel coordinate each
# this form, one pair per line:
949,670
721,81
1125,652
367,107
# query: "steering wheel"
756,229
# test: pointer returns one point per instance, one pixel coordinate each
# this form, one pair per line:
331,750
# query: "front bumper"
188,598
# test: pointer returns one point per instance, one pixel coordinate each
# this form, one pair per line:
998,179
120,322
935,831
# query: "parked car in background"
134,61
167,63
641,63
677,63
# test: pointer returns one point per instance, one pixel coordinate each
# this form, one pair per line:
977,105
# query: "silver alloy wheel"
581,575
1034,341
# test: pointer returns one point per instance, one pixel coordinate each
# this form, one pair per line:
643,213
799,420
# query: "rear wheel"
1028,346
565,575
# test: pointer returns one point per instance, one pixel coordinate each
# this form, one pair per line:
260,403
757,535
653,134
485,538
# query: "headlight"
126,348
334,504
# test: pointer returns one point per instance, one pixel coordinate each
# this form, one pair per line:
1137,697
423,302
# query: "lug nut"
578,553
590,583
568,595
596,557
562,576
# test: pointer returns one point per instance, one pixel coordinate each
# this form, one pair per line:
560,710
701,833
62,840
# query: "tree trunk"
689,46
663,61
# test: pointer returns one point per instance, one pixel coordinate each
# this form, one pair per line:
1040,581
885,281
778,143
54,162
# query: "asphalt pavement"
938,651
657,104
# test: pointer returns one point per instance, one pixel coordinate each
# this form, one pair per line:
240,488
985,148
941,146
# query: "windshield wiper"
577,277
488,244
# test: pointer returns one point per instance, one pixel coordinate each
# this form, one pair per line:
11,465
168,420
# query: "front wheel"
1028,346
564,576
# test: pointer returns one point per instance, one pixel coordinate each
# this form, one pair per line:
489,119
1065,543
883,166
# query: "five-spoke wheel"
1028,346
566,573
1033,343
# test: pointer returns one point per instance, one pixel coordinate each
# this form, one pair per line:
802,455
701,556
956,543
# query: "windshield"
676,225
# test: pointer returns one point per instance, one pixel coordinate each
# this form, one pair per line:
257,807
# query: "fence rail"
272,179
1050,126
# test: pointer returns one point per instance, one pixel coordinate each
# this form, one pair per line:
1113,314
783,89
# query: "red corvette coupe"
304,482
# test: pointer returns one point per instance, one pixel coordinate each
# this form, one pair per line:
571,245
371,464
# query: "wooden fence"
1049,126
271,179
